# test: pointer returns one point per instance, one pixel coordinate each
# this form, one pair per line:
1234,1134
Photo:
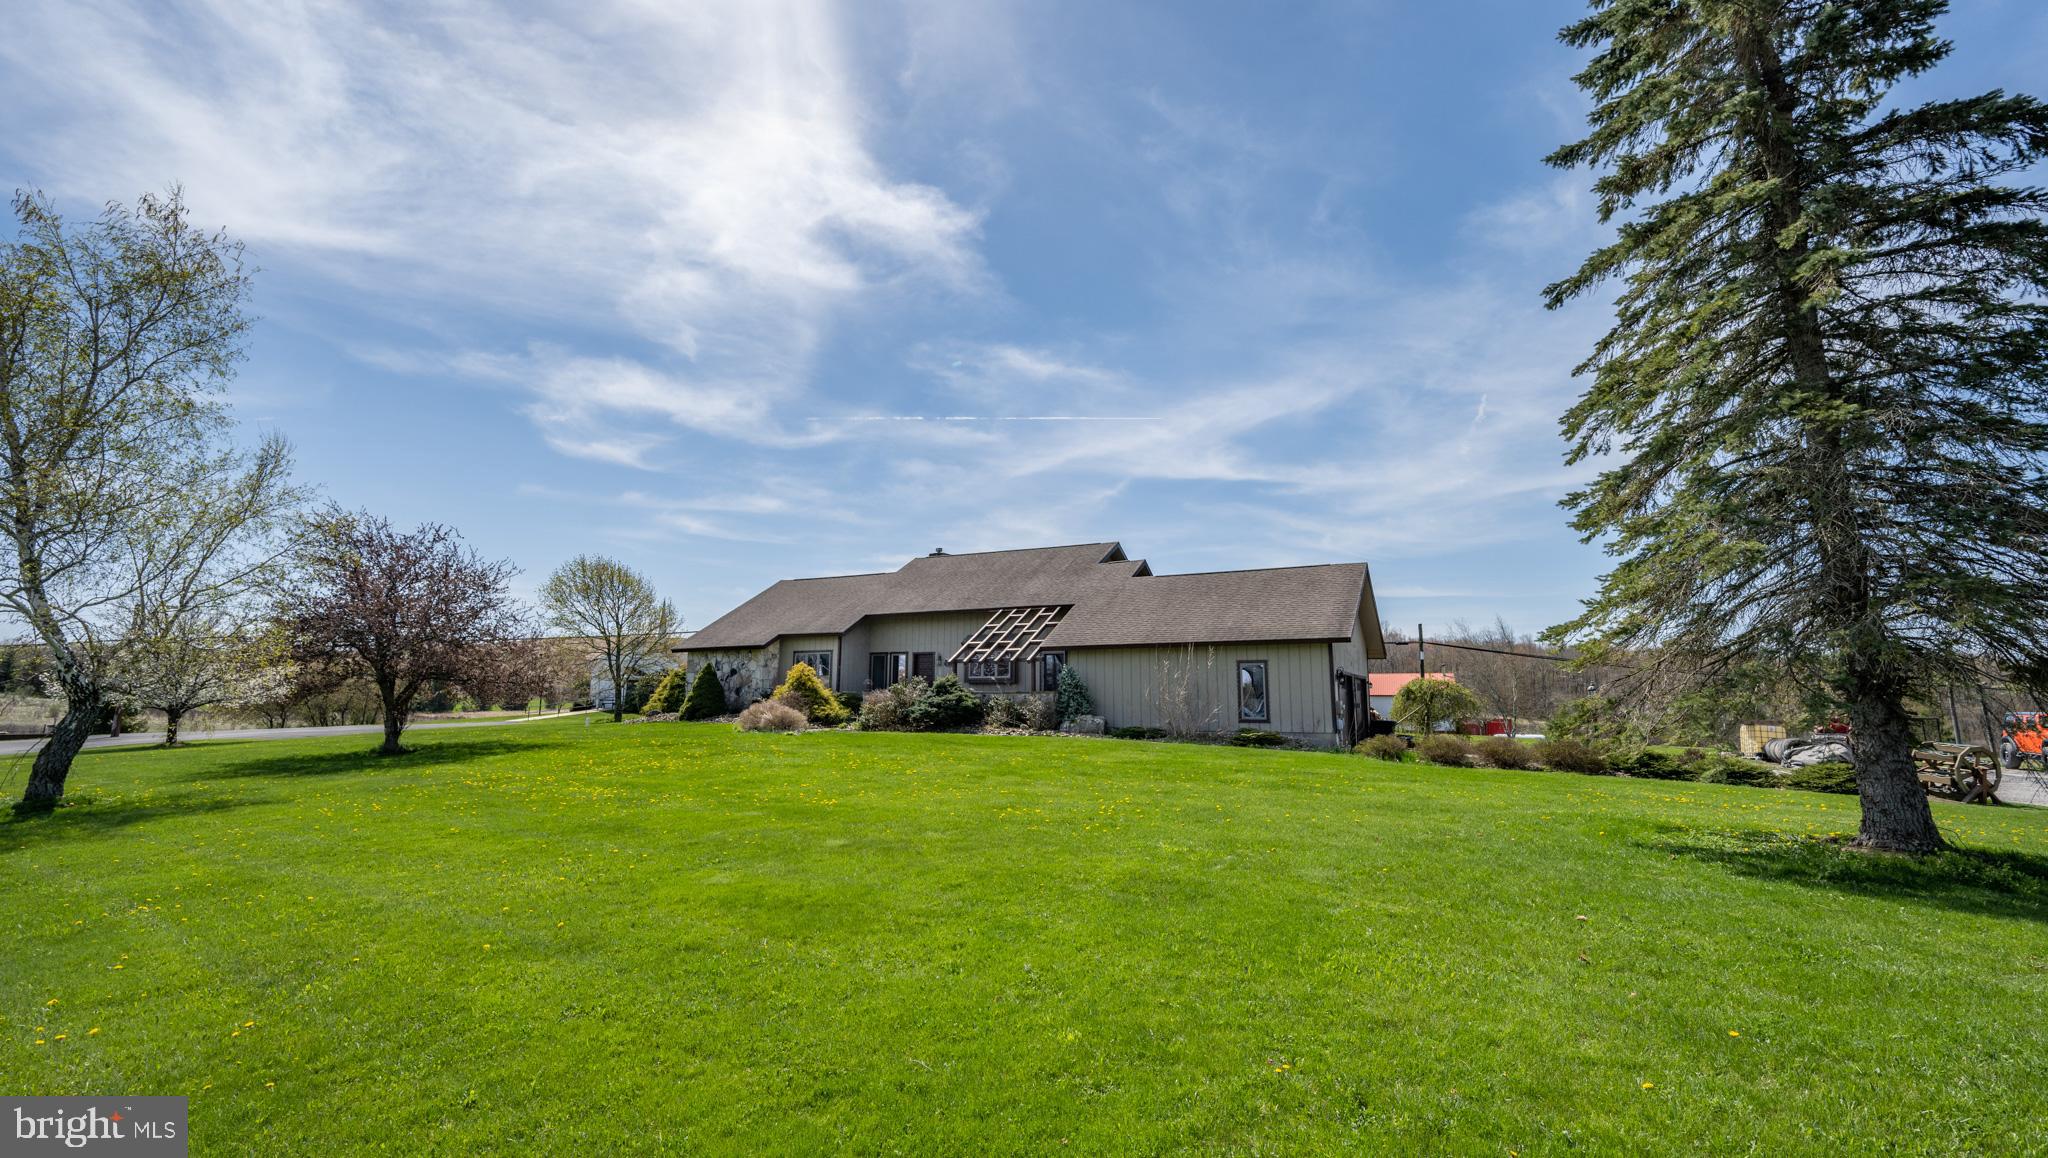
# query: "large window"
989,671
1252,707
820,661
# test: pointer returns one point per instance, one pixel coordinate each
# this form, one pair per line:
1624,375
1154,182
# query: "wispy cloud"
693,179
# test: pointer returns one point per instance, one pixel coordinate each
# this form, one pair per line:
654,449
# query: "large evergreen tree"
1823,407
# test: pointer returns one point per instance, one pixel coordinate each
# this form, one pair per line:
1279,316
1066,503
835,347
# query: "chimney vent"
936,552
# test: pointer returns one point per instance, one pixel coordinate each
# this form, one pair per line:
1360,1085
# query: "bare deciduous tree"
396,609
613,608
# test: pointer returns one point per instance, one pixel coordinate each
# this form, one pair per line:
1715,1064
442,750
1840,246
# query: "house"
649,669
1385,685
1280,649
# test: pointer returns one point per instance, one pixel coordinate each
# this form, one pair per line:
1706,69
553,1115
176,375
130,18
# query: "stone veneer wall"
747,674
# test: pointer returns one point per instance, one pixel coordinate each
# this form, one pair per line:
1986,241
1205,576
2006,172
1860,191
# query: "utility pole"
1421,661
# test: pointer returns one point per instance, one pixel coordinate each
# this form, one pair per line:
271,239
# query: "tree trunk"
394,719
53,763
618,687
1896,814
171,727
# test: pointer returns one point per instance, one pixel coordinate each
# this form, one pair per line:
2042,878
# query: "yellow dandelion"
248,1025
1734,1033
93,1032
51,1001
1649,1085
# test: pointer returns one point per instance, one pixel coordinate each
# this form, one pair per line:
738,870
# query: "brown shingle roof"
1114,600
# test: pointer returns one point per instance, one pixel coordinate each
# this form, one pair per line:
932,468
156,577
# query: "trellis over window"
1012,636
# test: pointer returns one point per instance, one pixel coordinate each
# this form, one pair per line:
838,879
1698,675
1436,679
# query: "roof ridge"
1250,570
1011,551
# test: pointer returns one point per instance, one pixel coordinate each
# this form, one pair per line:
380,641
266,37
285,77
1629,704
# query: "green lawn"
560,936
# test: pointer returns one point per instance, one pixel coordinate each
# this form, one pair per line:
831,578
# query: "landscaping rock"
1084,726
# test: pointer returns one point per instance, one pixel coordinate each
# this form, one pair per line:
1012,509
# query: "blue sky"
744,290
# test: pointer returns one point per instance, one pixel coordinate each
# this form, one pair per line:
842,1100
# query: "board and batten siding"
1130,686
940,632
791,644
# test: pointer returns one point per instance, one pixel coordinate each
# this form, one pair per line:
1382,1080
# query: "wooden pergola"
1012,634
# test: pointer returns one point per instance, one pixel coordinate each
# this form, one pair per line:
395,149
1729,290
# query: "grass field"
562,935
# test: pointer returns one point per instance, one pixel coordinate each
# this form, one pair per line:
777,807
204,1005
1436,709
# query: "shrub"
805,691
706,698
1571,756
1443,748
879,712
1004,712
1041,713
770,716
1255,738
949,704
888,710
1501,752
851,701
1392,748
668,695
1832,776
1136,732
1644,764
1423,704
1724,769
1072,698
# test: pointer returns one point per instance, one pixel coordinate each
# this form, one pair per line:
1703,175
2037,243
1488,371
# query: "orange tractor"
2019,746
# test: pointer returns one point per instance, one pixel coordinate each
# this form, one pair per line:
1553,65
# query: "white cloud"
699,171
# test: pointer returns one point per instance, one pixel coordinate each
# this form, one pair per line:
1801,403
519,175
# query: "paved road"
17,747
2028,787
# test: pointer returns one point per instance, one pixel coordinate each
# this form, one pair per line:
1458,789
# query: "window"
988,671
1251,691
1049,665
820,661
887,668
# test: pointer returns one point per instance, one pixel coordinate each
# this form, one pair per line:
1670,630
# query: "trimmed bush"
1644,764
949,704
1392,748
1571,756
1255,738
1444,748
1724,769
1135,732
805,691
1501,752
1832,776
706,698
851,701
1072,698
770,716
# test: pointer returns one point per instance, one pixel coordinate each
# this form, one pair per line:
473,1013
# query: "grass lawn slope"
560,936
